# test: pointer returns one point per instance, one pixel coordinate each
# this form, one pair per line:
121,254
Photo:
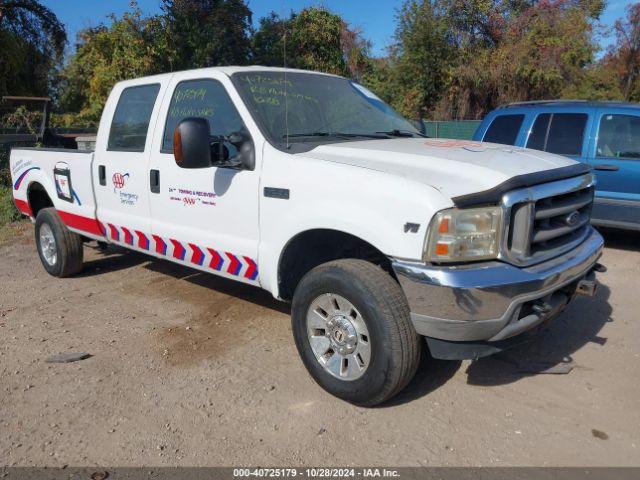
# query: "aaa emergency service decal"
119,181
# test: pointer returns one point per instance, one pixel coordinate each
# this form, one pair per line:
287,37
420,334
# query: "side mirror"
246,153
243,157
191,143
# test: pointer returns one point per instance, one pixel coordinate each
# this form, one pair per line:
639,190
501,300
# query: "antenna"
284,63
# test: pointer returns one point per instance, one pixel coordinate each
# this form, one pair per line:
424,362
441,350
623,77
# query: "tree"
267,42
355,50
541,52
128,48
624,57
423,52
206,33
32,42
316,39
380,77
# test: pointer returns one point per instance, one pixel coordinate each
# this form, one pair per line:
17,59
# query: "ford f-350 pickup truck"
311,187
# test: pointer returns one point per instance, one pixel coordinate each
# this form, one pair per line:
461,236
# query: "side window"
504,129
205,99
538,135
130,122
566,133
619,136
560,133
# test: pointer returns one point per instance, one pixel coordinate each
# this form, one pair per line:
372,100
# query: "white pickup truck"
311,187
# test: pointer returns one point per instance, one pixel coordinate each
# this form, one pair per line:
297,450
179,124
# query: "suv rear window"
560,133
131,119
504,129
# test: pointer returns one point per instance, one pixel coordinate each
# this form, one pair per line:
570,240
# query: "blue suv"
605,135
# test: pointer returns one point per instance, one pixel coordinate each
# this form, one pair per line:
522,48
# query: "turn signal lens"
463,235
444,225
442,249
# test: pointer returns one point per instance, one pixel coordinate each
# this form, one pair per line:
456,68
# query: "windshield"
319,109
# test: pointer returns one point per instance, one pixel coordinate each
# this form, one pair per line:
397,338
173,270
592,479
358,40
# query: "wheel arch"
38,198
310,248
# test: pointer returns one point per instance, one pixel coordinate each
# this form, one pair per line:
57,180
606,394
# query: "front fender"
368,204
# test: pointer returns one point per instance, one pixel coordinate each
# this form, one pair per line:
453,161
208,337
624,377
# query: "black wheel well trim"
33,187
287,294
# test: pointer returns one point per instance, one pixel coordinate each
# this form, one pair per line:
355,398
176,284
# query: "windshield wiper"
402,133
334,134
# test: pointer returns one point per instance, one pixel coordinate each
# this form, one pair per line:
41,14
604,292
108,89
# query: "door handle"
102,175
154,181
608,168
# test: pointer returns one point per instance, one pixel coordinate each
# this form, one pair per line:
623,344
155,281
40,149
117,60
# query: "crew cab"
309,186
604,135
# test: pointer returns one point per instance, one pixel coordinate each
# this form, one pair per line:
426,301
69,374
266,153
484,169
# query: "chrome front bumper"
491,301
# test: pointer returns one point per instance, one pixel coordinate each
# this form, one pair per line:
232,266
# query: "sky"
376,18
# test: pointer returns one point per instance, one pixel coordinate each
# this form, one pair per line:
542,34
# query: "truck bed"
54,170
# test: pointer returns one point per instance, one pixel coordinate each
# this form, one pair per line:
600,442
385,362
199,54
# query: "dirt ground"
188,369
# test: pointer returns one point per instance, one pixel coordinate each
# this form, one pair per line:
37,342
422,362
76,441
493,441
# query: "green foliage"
205,33
316,39
380,77
422,54
623,60
449,58
598,83
5,177
267,43
32,42
128,48
8,211
22,119
540,53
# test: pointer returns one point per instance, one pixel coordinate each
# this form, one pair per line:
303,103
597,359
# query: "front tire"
60,250
353,331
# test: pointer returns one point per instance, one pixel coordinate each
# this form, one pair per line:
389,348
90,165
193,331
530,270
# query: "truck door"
615,159
121,165
206,218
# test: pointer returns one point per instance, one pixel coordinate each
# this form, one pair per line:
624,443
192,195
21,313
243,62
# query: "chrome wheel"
48,246
338,336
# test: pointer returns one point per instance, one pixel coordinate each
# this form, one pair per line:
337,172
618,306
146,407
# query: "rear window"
560,133
504,129
130,122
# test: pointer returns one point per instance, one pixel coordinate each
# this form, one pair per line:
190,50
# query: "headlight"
464,235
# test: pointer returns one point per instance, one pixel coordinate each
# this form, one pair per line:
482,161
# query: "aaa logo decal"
119,179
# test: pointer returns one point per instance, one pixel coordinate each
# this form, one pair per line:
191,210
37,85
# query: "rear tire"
60,250
357,313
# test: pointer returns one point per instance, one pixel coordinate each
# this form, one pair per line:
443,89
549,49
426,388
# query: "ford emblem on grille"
572,219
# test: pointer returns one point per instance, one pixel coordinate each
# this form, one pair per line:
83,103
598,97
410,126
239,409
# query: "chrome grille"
546,220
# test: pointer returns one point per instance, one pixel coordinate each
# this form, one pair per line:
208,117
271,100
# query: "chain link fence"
457,129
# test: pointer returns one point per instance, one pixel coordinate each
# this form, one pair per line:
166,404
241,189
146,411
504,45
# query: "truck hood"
455,167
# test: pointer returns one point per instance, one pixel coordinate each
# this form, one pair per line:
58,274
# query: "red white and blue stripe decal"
16,186
190,253
161,246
